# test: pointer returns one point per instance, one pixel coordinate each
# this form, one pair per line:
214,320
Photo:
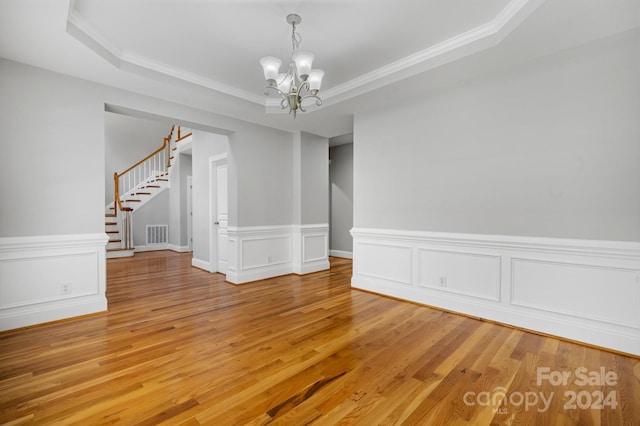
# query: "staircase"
134,187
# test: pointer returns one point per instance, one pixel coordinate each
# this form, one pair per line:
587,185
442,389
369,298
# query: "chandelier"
300,82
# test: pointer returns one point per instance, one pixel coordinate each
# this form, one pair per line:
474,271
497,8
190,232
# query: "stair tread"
152,186
110,223
113,232
119,249
114,241
132,201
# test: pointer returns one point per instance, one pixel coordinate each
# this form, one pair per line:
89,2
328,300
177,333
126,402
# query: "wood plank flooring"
181,346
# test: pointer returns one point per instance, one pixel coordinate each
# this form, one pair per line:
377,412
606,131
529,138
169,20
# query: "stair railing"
152,166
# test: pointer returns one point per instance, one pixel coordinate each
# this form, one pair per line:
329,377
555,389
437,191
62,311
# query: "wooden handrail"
183,136
117,202
164,145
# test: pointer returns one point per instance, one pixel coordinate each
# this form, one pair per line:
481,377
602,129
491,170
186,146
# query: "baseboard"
179,249
50,278
201,264
341,253
582,290
154,247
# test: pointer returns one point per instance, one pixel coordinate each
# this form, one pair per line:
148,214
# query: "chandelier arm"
304,86
267,88
317,98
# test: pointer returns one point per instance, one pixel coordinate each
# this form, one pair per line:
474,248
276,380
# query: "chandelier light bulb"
271,67
304,62
315,80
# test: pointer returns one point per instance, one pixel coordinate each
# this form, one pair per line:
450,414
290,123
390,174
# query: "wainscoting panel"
577,290
386,262
265,251
310,248
587,291
314,247
49,278
476,275
260,252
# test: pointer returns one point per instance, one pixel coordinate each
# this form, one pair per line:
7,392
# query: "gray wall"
53,134
311,194
204,146
53,168
261,188
178,214
153,212
341,196
550,148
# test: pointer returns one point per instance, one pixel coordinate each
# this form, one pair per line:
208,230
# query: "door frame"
214,162
190,213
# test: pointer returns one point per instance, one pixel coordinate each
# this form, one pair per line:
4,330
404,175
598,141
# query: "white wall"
549,148
341,199
513,197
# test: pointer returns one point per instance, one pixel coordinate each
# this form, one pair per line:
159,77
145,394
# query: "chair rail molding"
583,290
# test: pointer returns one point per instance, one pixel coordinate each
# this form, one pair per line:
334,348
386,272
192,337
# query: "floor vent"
157,234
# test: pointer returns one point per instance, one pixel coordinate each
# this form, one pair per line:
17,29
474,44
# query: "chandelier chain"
296,38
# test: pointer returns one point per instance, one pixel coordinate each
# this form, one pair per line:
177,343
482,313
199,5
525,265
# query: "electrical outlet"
65,287
443,281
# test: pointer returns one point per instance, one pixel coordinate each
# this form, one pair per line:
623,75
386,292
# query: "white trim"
13,244
259,252
35,269
482,37
179,249
153,247
341,253
200,264
82,31
583,290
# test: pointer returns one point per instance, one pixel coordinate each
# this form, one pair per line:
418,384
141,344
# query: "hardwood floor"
181,346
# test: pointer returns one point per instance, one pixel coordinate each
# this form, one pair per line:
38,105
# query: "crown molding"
87,35
479,38
475,40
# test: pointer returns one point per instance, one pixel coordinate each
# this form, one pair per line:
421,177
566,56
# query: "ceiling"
205,53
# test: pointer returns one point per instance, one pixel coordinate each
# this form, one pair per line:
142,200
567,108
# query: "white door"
222,216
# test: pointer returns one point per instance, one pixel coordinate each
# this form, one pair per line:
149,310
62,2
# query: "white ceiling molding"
464,44
84,33
475,40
